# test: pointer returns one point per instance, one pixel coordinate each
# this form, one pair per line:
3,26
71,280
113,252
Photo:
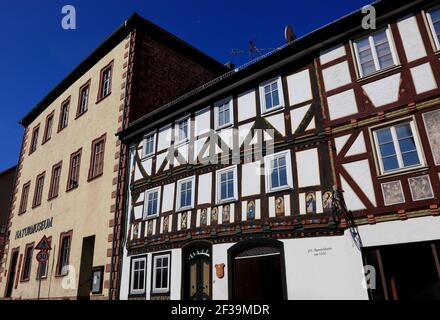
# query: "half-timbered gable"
379,89
289,176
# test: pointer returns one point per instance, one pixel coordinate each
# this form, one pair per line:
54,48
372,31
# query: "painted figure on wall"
311,203
432,124
421,188
166,222
327,201
204,218
150,228
226,214
184,221
279,207
392,193
214,216
251,210
136,231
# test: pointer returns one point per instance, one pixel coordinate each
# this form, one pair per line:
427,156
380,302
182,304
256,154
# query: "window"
48,127
397,147
227,184
182,130
55,181
223,114
38,190
161,273
149,145
64,114
42,267
27,263
83,101
34,141
73,178
97,158
24,197
271,95
151,204
185,194
64,253
434,24
374,52
138,275
278,171
105,85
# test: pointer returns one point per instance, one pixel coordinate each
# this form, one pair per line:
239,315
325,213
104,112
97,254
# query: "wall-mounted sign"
37,227
97,277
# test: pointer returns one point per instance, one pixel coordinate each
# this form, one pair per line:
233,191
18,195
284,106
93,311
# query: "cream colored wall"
85,210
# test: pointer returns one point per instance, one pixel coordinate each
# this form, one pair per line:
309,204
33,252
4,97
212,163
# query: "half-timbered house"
310,173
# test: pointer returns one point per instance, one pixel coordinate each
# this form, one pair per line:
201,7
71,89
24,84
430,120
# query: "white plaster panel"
411,39
202,121
307,164
336,76
287,205
340,142
332,54
351,199
297,115
219,256
205,186
358,146
383,91
257,209
250,179
314,270
164,138
147,164
302,203
271,207
176,274
160,159
342,104
319,208
277,122
168,197
243,131
423,78
361,174
246,103
299,87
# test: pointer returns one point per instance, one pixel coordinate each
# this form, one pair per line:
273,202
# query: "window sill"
42,278
31,152
90,179
181,143
136,295
185,209
61,275
36,206
226,201
272,191
158,292
79,115
24,280
100,99
379,73
45,141
52,198
226,126
403,172
21,213
272,111
151,217
61,129
147,157
72,188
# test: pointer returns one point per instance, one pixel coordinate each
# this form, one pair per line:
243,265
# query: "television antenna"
253,51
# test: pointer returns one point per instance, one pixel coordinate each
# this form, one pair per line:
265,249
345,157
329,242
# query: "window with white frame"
398,147
151,203
182,130
223,113
278,171
271,95
149,145
374,52
433,16
185,193
138,275
227,184
161,273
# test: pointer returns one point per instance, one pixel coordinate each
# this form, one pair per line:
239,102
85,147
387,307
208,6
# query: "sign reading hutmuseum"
37,227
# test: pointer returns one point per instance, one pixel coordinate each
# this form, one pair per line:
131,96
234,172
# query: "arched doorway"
197,274
257,271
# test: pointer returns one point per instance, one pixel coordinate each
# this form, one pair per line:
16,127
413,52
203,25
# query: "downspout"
122,232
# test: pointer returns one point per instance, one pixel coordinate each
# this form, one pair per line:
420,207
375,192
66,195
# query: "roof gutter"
163,114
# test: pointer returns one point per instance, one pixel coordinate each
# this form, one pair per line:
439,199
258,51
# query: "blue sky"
36,53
